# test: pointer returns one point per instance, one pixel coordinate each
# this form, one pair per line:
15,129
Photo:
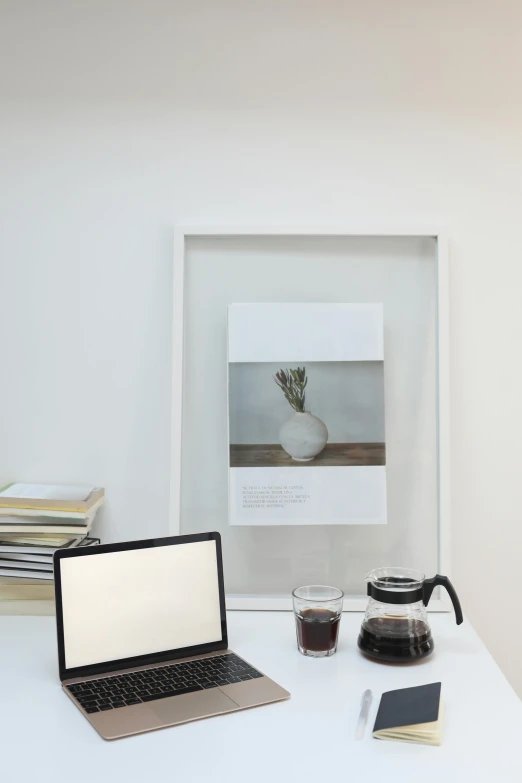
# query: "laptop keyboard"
109,693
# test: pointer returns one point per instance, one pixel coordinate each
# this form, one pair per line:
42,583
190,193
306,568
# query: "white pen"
366,703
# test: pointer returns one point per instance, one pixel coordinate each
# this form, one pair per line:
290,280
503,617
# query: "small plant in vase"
293,385
303,436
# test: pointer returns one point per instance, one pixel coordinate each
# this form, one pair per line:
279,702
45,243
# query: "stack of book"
35,521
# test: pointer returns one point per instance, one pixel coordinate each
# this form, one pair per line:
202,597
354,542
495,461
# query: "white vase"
303,436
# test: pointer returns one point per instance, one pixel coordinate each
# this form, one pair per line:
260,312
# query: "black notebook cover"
408,707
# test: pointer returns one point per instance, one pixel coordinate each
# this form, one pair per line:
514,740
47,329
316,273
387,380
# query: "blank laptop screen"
123,604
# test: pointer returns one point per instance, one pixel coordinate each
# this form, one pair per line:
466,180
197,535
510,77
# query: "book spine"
75,506
47,529
43,505
42,512
26,593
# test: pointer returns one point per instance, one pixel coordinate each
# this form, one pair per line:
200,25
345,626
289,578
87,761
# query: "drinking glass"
317,611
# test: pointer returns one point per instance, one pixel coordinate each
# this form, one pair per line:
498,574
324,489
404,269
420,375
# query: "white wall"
347,396
119,116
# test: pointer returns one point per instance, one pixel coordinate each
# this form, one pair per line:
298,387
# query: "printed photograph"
315,414
306,414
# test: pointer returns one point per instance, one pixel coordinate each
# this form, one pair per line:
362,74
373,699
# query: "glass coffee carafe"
395,626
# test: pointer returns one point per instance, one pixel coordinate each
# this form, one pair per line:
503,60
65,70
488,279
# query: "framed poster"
306,444
400,271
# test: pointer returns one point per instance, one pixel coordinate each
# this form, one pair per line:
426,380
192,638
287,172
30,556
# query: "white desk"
43,737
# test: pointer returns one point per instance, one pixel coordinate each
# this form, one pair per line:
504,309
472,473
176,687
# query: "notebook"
411,715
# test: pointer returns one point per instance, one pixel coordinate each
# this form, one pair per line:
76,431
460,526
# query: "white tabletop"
308,738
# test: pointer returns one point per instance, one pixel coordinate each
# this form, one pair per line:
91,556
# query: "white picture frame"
182,233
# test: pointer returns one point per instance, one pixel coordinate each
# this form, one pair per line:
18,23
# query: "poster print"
306,414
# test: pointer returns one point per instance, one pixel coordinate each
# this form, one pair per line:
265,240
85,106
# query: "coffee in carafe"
395,627
395,638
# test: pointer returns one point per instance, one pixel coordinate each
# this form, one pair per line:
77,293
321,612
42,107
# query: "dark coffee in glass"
317,610
317,629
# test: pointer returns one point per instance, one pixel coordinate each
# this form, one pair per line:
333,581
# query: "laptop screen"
139,601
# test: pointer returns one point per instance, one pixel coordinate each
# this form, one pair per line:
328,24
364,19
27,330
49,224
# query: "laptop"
142,636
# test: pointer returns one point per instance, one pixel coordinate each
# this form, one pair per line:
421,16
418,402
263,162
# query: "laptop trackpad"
191,706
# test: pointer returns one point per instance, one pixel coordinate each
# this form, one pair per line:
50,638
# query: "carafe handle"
443,581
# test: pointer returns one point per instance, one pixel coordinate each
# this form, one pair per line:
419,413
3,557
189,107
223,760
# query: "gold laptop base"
161,713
